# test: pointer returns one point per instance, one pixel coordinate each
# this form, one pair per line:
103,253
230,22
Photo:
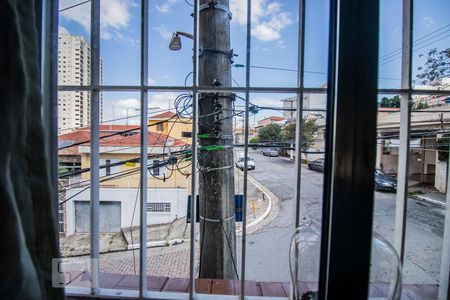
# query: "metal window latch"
213,4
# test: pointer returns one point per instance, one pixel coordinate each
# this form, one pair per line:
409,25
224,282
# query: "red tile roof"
164,115
134,139
275,118
154,140
106,127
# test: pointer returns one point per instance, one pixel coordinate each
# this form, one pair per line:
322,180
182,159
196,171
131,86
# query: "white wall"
127,197
440,179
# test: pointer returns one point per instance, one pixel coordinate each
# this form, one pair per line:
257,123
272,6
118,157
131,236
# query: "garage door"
109,216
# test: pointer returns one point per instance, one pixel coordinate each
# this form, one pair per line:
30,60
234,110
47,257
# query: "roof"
164,115
430,118
133,138
154,140
271,119
107,127
72,138
277,118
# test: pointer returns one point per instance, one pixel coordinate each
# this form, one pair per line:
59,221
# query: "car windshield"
248,159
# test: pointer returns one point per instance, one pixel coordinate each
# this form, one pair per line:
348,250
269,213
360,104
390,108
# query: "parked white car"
241,160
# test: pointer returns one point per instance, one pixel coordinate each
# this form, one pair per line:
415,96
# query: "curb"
429,200
155,244
271,197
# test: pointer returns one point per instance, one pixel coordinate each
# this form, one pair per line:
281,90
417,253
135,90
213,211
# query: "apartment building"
74,69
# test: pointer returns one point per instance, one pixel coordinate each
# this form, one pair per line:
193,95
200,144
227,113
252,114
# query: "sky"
274,44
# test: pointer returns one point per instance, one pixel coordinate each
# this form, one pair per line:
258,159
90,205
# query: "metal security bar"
192,294
144,152
246,132
95,145
405,121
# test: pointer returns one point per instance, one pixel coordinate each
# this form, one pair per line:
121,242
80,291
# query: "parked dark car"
384,182
271,152
316,165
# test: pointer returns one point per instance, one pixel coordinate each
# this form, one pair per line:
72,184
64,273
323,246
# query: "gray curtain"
28,217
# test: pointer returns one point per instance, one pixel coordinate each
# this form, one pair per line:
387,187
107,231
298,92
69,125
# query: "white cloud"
428,21
266,101
114,16
63,30
119,110
162,100
163,31
280,44
165,6
151,81
268,18
129,108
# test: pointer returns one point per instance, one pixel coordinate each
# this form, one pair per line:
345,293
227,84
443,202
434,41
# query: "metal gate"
109,216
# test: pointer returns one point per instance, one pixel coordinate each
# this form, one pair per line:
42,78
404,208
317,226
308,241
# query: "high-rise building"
74,69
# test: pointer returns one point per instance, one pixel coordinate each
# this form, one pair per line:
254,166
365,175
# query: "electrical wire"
113,134
73,6
121,175
131,226
399,49
420,48
415,44
229,248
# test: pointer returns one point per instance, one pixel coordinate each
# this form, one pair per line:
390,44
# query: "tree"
309,130
253,141
421,105
271,132
436,66
393,102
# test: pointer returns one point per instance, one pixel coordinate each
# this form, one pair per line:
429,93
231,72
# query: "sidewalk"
427,195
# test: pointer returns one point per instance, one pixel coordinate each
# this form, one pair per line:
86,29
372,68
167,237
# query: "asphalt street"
268,248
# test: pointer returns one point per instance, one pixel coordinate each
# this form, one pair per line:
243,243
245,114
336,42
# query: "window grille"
95,88
159,207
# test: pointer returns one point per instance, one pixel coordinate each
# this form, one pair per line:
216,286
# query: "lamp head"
175,42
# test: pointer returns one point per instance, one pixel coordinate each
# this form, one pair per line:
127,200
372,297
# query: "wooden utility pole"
216,178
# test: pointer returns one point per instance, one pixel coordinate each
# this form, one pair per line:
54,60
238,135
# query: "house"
120,177
314,106
270,120
427,125
171,124
239,135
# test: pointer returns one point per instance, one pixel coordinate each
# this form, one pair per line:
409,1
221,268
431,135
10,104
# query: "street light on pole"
175,41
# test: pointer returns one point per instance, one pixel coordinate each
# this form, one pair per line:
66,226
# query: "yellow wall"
175,128
177,180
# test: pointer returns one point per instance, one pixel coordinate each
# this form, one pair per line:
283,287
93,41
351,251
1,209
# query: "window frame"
49,28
